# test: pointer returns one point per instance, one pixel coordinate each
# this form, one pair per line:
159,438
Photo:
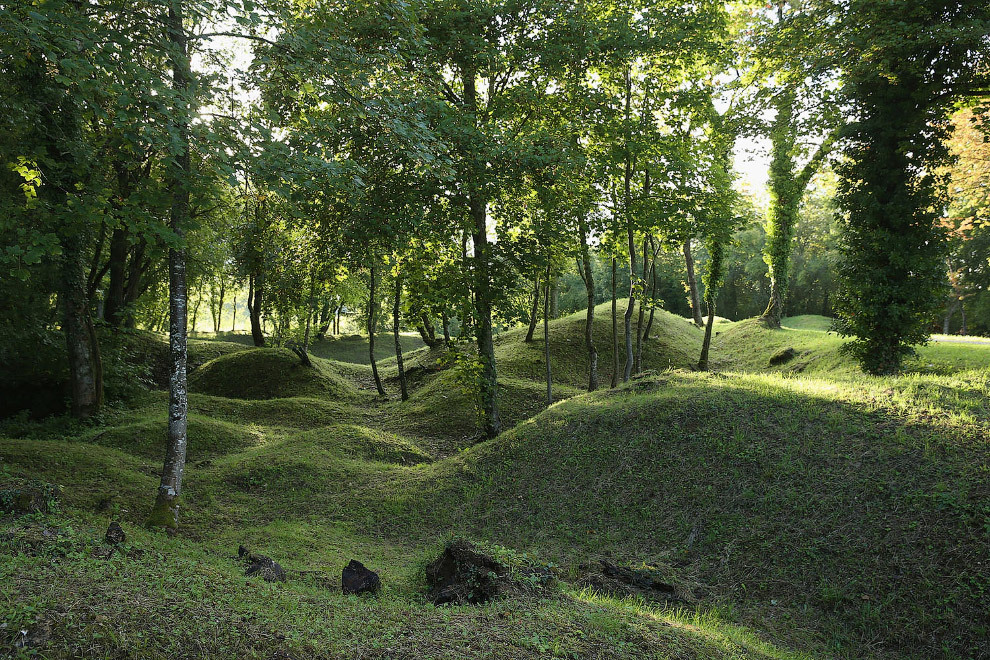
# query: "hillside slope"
838,515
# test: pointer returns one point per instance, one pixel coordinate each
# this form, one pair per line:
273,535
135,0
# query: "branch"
812,165
236,35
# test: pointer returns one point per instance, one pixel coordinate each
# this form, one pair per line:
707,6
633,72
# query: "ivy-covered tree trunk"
166,511
893,248
534,312
589,320
692,285
396,318
372,322
713,279
483,297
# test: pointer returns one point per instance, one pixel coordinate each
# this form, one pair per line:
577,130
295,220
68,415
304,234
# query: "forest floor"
802,510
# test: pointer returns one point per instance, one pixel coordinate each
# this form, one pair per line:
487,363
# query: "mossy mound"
300,413
371,444
829,506
148,437
268,373
674,342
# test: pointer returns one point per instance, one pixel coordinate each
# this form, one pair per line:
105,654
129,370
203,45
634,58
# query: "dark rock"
115,534
462,575
356,579
265,567
618,580
783,356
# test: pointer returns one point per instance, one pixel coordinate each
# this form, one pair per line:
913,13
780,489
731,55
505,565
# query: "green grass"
268,373
812,511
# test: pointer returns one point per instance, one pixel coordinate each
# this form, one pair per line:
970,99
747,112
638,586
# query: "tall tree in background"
795,49
906,63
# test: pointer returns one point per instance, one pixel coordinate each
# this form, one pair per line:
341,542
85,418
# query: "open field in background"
802,511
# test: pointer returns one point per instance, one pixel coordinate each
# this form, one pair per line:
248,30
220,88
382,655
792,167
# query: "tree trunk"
477,205
61,127
534,311
653,293
446,326
85,365
219,313
135,281
199,299
589,321
638,364
692,284
615,330
233,320
372,322
626,206
166,510
546,338
113,308
703,362
255,299
396,309
555,298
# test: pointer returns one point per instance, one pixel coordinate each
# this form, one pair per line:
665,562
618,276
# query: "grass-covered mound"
268,373
673,342
147,436
369,444
354,348
749,346
844,516
829,515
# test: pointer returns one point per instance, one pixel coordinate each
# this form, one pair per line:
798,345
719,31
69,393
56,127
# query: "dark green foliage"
893,266
907,61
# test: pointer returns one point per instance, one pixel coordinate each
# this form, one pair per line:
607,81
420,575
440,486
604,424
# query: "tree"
906,63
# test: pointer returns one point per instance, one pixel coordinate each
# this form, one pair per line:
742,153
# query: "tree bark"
85,364
372,322
546,338
653,293
627,203
555,298
195,314
615,330
118,269
589,321
61,127
477,205
692,285
534,310
703,362
255,300
166,510
638,364
396,311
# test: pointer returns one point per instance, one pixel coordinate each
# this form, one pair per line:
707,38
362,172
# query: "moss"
268,373
164,515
